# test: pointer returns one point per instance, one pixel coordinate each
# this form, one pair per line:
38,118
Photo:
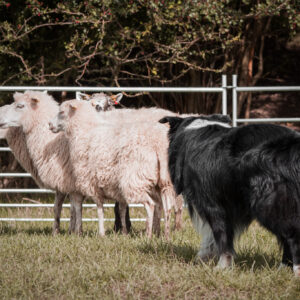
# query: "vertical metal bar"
234,100
77,95
224,94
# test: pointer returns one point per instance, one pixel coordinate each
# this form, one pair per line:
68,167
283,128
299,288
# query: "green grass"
36,265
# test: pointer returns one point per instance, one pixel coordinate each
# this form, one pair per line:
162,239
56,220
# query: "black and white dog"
230,176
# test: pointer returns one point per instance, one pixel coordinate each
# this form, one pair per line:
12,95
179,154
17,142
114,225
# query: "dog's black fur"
234,175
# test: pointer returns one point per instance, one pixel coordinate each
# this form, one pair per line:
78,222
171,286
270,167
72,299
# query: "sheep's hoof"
55,231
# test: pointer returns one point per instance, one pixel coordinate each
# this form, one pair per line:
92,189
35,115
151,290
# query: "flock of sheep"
115,154
227,176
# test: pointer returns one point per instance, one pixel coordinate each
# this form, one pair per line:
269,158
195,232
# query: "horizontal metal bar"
15,175
268,89
64,205
64,220
258,120
33,191
111,89
5,149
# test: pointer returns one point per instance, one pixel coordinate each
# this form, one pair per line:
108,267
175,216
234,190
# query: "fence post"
234,100
224,94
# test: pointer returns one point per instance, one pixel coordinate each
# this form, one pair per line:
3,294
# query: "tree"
144,42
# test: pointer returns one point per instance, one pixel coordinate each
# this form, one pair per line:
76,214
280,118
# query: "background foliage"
143,42
149,43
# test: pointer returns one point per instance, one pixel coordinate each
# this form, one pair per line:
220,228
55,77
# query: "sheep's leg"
72,218
128,222
178,212
167,205
118,224
123,208
100,212
76,200
156,219
59,199
150,214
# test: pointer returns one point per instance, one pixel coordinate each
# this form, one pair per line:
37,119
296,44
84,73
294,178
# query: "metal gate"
224,89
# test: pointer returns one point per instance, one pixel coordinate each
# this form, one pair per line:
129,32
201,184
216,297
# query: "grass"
36,265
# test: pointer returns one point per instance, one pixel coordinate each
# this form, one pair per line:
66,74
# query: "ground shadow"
6,229
257,259
9,230
184,253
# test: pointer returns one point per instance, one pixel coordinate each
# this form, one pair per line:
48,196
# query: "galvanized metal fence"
236,89
222,89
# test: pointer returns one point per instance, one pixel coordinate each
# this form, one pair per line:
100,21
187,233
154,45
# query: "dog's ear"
173,122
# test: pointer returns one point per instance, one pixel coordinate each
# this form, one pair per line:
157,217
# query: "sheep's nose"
50,125
98,107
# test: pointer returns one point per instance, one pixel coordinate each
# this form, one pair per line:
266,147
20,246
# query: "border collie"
230,176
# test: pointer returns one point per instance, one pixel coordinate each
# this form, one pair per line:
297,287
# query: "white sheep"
104,103
32,111
113,159
16,141
40,152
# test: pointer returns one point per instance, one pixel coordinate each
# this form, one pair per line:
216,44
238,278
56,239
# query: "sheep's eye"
98,107
61,114
19,105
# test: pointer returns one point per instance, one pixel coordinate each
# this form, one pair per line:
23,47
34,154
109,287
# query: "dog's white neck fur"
199,123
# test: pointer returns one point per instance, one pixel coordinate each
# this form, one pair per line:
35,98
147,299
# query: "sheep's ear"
73,106
35,100
82,96
16,95
116,98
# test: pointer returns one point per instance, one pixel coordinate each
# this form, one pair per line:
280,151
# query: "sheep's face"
19,112
101,101
23,111
66,111
57,124
74,115
7,118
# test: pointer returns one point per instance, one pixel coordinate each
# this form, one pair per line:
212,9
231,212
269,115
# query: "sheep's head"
23,111
68,111
101,101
